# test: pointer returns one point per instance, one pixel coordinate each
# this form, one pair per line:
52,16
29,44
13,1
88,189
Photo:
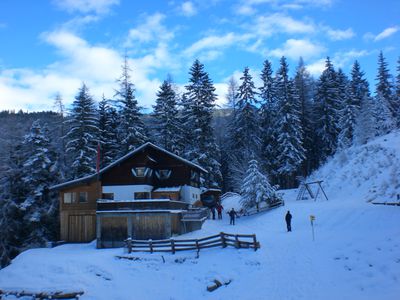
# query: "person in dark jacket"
219,210
232,215
288,219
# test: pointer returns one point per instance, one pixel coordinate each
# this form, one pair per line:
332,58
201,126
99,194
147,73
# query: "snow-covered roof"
168,189
123,158
148,144
210,190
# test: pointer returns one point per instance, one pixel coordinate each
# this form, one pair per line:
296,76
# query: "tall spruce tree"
290,151
384,89
40,172
108,132
245,136
168,131
197,114
365,127
132,131
348,112
304,88
327,112
82,137
268,111
245,142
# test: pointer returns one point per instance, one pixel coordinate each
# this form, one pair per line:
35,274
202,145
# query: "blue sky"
54,46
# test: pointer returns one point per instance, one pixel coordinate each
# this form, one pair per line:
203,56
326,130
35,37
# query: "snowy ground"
355,255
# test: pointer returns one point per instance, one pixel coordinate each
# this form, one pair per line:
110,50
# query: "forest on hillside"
287,127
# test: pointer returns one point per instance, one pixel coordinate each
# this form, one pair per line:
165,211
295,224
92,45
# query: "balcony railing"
145,204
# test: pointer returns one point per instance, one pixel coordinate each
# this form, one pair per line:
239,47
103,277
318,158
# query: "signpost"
312,219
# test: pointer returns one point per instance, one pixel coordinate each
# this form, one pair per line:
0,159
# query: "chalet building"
150,193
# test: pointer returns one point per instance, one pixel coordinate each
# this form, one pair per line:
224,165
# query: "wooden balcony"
147,204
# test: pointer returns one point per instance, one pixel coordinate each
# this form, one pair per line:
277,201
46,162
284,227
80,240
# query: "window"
163,174
194,179
69,198
142,195
108,196
83,197
141,172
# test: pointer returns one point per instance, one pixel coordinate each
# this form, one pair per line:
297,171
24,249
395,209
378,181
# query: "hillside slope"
368,172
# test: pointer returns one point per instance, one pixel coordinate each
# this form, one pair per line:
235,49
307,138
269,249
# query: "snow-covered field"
355,255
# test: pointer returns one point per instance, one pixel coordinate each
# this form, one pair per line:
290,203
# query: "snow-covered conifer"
326,111
132,131
290,151
168,131
197,114
255,187
108,132
82,137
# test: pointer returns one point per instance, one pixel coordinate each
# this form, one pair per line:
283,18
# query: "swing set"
306,188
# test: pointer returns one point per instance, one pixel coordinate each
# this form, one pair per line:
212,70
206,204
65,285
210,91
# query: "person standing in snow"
288,219
232,215
219,210
213,212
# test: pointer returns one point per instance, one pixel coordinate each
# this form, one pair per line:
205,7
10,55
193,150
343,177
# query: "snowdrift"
369,172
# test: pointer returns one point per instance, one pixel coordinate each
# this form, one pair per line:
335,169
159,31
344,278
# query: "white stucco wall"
126,192
190,194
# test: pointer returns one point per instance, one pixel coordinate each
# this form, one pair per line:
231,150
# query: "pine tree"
82,137
40,172
255,187
290,151
327,112
245,136
197,113
304,86
229,182
365,127
133,132
348,112
384,87
232,95
168,131
108,132
268,114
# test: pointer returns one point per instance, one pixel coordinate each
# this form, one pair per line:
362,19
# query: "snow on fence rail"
219,240
41,295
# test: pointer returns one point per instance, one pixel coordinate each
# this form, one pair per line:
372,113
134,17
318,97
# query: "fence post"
223,241
173,246
151,245
197,245
237,243
129,245
255,242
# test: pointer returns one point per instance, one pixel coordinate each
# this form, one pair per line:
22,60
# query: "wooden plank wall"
78,226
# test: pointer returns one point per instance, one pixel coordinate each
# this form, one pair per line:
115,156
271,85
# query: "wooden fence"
219,240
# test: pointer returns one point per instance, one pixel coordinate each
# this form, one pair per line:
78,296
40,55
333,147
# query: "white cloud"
86,6
249,7
338,35
151,29
339,60
213,43
97,66
317,67
280,23
386,33
294,48
188,9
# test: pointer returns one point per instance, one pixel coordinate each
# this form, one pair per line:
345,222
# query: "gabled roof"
92,177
